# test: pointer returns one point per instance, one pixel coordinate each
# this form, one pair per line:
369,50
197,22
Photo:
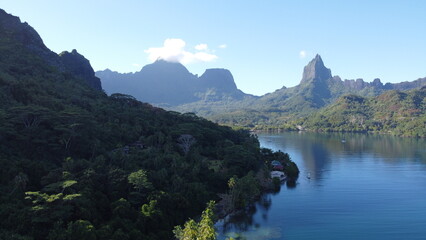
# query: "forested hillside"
78,164
401,113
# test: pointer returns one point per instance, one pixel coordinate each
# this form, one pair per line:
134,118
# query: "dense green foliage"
77,164
66,167
394,112
203,230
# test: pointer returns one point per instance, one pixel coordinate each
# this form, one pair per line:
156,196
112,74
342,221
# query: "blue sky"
265,44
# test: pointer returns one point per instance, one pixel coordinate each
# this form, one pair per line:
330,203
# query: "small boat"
308,176
343,140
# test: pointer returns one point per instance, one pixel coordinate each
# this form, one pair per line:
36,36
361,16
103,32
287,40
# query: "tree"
149,209
185,141
203,230
139,179
20,181
206,226
81,230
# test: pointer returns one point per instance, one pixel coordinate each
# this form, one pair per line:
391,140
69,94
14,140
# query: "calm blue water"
370,187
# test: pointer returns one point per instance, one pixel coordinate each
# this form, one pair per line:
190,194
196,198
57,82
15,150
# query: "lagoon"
365,187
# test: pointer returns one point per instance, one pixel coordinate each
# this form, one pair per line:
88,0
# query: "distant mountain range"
318,88
215,95
170,84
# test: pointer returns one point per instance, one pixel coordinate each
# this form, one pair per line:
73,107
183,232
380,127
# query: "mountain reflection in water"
366,187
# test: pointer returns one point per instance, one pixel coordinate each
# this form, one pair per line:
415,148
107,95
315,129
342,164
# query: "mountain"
401,113
17,35
80,67
315,71
218,84
214,94
78,164
170,84
316,90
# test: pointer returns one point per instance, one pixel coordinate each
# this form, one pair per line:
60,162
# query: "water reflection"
243,220
260,233
291,184
243,226
371,185
315,151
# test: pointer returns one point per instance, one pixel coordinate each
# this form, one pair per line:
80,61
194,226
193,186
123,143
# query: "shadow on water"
243,226
340,200
243,219
291,183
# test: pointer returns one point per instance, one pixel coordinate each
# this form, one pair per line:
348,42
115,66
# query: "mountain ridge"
169,84
21,35
316,90
318,87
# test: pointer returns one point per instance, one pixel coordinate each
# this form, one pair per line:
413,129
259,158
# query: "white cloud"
302,54
136,65
173,50
223,46
205,57
201,47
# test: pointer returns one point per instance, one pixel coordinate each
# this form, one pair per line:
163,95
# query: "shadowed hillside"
78,164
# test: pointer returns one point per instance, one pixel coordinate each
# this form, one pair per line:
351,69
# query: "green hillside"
78,164
317,104
401,113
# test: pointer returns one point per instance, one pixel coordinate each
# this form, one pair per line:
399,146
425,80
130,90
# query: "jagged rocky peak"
78,65
23,36
16,32
218,78
315,70
11,26
377,83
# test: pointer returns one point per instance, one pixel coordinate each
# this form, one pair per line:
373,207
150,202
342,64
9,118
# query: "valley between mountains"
320,102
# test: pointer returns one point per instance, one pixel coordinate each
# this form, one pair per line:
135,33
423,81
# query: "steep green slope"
78,164
394,112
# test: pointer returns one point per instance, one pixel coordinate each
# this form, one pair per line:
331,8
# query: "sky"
265,44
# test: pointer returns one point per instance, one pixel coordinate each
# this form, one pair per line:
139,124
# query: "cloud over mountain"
173,50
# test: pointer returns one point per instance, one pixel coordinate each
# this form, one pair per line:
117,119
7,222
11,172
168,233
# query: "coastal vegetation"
78,164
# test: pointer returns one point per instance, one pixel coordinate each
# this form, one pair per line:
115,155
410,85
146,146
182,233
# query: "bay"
351,186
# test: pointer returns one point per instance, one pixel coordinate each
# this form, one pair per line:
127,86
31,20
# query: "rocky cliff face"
360,84
421,82
316,71
22,35
78,65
